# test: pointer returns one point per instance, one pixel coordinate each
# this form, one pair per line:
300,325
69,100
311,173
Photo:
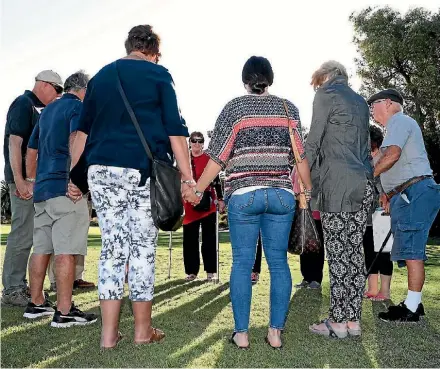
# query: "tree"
403,52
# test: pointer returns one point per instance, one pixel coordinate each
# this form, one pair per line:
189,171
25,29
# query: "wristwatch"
198,193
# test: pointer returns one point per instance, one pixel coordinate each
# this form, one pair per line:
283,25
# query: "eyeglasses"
377,102
197,140
374,103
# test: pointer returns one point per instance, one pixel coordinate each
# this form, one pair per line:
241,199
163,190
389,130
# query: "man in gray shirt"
412,196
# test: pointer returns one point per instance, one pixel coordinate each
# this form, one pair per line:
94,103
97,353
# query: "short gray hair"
77,81
328,70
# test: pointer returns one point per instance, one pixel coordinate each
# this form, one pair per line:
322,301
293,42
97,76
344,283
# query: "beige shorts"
61,226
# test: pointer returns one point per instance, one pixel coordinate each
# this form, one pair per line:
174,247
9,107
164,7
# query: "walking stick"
217,280
170,248
380,250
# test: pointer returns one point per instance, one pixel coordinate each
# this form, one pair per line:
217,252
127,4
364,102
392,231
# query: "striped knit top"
251,141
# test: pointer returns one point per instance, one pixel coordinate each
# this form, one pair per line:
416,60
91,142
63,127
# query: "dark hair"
196,134
257,74
142,38
77,81
376,137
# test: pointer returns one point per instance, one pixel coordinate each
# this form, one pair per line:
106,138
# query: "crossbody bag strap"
133,116
302,196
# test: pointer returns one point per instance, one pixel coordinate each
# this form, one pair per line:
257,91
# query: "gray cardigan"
338,148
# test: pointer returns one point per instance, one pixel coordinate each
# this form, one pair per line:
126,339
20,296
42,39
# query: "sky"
204,44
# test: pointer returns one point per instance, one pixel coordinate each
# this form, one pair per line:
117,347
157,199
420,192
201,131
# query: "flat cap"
389,93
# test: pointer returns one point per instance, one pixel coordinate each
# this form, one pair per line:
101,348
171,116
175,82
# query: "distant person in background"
383,266
78,283
256,270
23,114
204,218
312,263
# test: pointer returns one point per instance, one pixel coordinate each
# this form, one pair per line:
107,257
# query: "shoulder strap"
302,197
133,116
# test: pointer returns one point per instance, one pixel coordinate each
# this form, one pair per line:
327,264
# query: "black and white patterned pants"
127,230
343,236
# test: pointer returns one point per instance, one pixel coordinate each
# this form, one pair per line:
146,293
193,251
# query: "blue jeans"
412,213
271,211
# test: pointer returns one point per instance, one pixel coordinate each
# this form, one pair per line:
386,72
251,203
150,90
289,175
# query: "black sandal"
268,342
231,340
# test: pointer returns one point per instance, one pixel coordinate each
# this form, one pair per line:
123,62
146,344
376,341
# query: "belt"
405,185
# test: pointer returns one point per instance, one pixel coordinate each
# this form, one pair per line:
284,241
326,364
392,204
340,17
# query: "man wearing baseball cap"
60,224
412,196
21,118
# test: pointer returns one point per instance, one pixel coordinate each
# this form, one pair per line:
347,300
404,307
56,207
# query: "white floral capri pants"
128,232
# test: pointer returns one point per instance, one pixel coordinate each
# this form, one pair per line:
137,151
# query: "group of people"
252,142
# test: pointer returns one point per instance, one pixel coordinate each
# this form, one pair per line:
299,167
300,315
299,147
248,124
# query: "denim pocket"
242,201
287,200
434,186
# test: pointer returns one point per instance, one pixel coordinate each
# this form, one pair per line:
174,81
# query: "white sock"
413,300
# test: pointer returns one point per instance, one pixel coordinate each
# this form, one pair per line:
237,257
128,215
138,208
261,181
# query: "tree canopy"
403,51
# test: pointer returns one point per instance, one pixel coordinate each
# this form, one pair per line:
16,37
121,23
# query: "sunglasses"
58,89
197,140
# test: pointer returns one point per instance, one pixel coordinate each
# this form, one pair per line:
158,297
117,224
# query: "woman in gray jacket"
338,152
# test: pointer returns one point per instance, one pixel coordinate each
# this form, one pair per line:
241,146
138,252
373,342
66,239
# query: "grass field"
197,319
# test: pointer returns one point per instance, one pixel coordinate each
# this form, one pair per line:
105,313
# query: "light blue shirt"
404,132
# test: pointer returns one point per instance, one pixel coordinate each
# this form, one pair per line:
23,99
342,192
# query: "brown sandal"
118,339
157,336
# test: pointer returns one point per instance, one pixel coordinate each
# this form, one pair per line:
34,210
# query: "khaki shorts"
61,226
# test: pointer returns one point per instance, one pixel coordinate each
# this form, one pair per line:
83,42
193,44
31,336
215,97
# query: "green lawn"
197,319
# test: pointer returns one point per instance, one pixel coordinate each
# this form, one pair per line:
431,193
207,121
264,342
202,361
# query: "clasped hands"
73,192
188,192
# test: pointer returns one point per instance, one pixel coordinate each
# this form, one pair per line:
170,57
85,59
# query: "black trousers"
191,253
258,256
383,264
312,264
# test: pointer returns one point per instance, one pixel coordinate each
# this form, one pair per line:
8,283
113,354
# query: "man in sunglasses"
412,196
21,118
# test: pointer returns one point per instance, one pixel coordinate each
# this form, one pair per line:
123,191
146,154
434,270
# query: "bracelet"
188,181
30,180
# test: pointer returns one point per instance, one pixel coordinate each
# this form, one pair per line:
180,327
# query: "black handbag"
304,237
166,200
206,200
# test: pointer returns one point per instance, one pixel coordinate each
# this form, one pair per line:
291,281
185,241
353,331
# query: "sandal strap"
330,329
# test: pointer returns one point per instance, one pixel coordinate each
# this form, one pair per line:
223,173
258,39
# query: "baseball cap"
51,77
389,93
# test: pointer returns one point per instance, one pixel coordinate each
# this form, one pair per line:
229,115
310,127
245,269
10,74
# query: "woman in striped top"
251,142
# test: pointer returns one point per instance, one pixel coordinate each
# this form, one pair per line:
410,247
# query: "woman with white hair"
338,153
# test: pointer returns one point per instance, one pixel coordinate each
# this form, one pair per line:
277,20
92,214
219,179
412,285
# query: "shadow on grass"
79,346
418,348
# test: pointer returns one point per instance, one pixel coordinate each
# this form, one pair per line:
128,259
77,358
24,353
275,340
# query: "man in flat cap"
412,196
21,118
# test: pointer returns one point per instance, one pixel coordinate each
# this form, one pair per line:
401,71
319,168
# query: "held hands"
25,189
188,192
73,192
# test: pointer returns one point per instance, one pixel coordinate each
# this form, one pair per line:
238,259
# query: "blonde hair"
328,70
